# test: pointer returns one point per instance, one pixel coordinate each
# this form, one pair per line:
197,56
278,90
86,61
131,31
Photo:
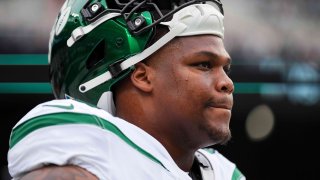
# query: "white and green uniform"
65,132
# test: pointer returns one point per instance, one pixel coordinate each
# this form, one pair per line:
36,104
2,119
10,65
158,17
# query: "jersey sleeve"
63,137
223,168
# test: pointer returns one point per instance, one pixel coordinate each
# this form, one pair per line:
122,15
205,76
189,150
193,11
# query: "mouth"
220,104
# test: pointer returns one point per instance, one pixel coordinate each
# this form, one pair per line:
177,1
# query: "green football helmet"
96,43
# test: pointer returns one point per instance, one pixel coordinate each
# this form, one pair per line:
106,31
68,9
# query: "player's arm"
60,173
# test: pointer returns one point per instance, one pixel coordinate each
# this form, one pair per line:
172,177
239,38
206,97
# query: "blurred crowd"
280,37
287,29
25,25
282,34
254,29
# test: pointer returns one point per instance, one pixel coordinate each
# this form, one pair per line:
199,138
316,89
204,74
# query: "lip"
222,105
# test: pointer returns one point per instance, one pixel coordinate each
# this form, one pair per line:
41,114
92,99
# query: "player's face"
193,90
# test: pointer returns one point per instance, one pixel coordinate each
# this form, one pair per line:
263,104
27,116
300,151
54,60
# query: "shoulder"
57,107
223,168
61,132
55,114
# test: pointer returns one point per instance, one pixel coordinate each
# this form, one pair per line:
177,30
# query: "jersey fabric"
68,132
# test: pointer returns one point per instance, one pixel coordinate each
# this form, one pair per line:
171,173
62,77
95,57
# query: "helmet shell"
91,55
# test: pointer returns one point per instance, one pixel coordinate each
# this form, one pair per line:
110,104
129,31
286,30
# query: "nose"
225,84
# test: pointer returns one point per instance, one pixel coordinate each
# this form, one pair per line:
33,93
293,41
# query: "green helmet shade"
92,54
92,38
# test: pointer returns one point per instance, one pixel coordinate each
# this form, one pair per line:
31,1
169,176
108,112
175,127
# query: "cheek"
193,89
184,88
197,84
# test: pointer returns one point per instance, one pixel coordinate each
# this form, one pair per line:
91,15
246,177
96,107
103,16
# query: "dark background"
275,52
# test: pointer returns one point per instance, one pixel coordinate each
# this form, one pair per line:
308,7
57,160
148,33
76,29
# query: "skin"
60,173
182,99
181,95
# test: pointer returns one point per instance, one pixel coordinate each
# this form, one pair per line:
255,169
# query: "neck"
176,142
182,155
176,145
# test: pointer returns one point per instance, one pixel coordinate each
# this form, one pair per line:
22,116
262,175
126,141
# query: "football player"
141,86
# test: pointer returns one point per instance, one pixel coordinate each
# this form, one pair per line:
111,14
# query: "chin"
216,135
224,138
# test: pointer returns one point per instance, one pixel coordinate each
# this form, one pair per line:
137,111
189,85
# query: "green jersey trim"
66,107
237,175
210,150
72,118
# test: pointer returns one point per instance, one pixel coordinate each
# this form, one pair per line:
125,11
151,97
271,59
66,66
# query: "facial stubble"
216,135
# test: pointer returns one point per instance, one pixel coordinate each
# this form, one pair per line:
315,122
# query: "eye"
206,65
227,69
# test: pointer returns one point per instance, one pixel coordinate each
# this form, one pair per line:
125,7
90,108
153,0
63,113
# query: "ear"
141,77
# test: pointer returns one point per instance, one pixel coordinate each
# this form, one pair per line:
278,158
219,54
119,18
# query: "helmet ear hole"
96,56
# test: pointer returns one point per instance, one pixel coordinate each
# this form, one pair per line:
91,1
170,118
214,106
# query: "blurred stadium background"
276,57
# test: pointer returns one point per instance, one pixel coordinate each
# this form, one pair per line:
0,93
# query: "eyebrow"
212,55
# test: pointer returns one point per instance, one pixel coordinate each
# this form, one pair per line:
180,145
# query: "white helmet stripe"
81,31
134,59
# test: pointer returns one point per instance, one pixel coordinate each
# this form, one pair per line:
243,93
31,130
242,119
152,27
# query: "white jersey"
68,132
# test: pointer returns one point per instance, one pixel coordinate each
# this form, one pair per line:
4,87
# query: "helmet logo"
62,21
